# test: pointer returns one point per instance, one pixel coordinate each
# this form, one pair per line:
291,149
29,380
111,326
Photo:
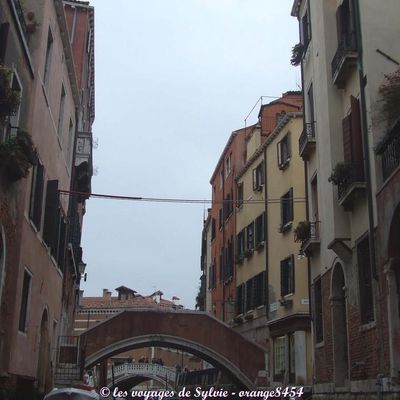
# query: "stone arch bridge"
193,331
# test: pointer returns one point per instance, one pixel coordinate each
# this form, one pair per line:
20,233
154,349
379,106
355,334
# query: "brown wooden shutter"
35,212
347,139
51,216
356,131
61,244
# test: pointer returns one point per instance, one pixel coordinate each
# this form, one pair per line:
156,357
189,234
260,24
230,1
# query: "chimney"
106,294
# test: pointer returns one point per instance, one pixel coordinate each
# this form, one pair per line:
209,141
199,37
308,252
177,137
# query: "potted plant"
302,231
297,54
340,174
17,155
9,98
389,93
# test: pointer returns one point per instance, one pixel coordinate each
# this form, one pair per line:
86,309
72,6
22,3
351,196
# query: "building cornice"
227,146
295,8
282,123
62,23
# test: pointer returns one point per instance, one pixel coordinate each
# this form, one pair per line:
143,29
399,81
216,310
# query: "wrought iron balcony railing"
389,150
346,51
307,139
354,174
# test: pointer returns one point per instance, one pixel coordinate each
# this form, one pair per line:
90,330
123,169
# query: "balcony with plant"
17,156
350,181
307,234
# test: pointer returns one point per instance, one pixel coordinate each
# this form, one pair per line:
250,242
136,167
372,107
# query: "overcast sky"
174,78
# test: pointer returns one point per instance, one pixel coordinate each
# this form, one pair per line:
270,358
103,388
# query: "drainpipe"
266,235
367,168
221,267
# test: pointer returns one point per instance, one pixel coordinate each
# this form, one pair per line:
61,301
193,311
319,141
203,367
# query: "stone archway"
339,326
43,370
196,332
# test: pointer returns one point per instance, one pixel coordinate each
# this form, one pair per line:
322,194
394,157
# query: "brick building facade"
37,158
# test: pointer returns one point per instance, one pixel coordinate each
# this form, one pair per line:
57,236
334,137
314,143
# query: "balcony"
83,162
345,59
307,141
308,234
389,150
352,186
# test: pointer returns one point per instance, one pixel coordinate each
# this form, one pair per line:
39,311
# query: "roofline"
282,123
275,102
69,58
230,140
295,8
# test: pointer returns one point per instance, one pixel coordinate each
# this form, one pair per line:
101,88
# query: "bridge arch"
128,375
193,331
128,382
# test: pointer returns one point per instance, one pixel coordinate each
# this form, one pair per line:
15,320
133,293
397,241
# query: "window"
36,201
47,64
228,165
352,140
2,258
23,314
260,231
211,277
287,276
239,202
61,112
283,148
240,245
228,205
228,265
259,290
70,141
310,103
365,281
305,30
220,218
221,179
221,265
250,236
318,319
213,229
54,226
240,296
13,120
279,357
258,177
345,22
286,210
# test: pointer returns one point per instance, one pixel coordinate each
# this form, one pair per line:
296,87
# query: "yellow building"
272,273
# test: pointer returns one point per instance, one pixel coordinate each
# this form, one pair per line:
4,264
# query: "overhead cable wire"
176,200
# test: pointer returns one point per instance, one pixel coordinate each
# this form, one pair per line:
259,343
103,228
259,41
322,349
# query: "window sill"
368,326
260,245
319,345
285,228
284,165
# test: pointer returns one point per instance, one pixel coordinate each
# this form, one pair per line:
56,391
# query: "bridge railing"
143,368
